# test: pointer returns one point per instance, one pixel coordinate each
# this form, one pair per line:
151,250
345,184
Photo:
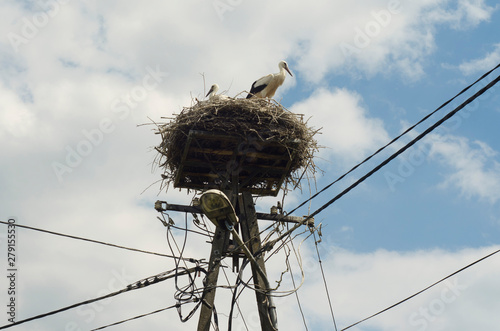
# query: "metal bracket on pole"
164,206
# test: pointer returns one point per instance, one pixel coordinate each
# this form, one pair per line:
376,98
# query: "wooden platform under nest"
252,145
211,159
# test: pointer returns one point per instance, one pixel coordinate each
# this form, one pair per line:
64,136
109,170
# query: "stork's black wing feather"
255,89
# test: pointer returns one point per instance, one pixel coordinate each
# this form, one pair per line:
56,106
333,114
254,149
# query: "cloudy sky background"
78,78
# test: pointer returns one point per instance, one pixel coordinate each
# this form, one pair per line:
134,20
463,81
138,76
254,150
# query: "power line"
295,286
137,317
234,301
188,292
408,145
324,281
270,244
96,241
139,284
393,140
421,291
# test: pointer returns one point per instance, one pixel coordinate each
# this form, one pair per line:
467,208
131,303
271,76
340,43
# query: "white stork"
266,86
212,96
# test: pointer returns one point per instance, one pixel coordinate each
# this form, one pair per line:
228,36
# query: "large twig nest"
268,137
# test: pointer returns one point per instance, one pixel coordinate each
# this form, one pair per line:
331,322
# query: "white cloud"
123,39
16,119
363,284
388,37
486,63
461,15
348,132
474,169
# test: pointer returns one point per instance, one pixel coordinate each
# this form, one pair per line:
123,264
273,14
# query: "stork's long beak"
210,91
286,68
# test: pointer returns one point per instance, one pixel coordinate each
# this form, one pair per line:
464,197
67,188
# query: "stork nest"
259,125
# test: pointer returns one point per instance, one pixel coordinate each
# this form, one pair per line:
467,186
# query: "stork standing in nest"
266,86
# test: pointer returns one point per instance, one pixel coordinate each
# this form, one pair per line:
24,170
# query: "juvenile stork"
212,96
266,86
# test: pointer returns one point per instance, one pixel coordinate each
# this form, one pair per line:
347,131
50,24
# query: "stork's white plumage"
266,86
213,89
212,96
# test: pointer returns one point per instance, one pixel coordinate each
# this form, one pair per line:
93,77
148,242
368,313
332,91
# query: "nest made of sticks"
259,121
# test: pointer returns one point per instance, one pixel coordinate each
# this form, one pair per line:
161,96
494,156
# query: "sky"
78,80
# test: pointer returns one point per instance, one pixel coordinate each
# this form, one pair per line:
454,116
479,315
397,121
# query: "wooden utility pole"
219,244
250,233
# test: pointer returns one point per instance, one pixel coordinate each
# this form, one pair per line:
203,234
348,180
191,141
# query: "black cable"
139,284
216,319
408,145
421,291
269,245
235,296
94,241
393,140
189,230
297,255
180,292
188,292
297,295
136,317
233,301
324,282
170,224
